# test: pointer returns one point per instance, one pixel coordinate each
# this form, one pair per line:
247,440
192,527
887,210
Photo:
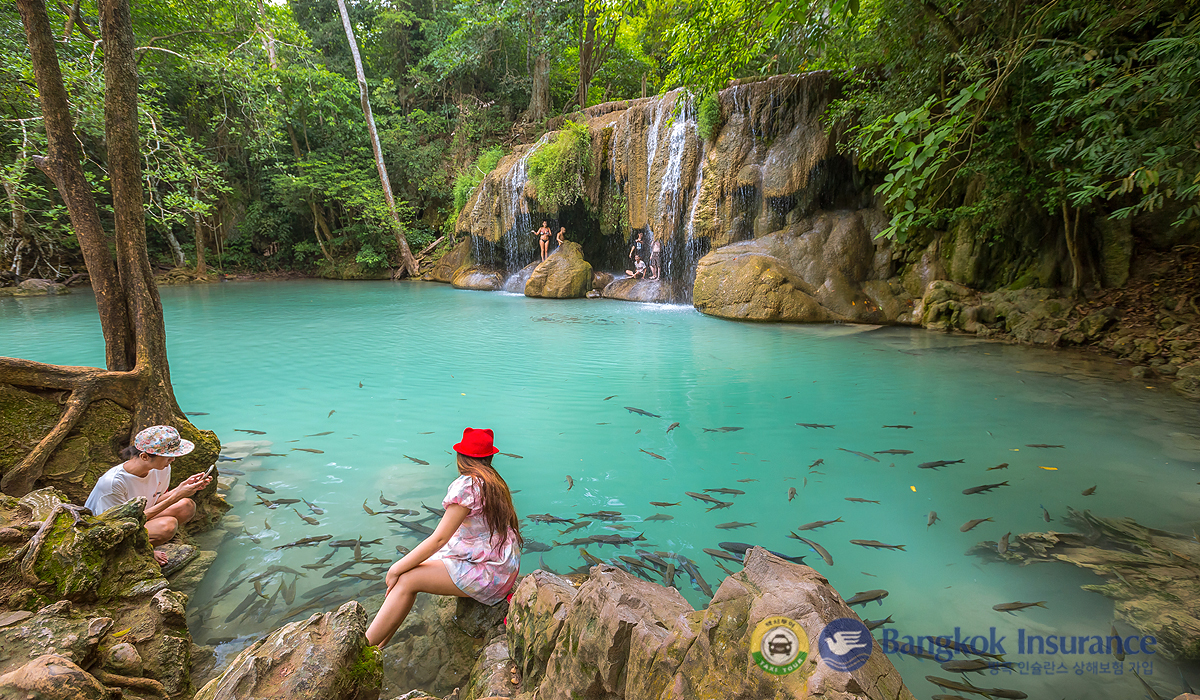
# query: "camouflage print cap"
162,440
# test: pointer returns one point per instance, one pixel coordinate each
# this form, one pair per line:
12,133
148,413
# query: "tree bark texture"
62,164
410,263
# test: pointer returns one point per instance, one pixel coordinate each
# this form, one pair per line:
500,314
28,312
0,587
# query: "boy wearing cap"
146,473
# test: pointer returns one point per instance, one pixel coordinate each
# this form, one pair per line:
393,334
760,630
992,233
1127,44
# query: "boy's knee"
162,528
186,510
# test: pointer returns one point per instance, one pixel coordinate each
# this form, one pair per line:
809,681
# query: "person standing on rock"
655,260
474,552
146,473
561,238
637,249
543,235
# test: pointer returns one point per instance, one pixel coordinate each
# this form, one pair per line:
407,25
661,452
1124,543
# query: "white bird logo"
844,642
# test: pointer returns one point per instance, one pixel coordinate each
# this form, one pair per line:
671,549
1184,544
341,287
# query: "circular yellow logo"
778,645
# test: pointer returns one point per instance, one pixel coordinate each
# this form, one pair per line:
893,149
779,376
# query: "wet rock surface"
617,636
325,657
478,279
1151,575
630,289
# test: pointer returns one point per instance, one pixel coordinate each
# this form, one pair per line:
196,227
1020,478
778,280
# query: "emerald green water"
279,357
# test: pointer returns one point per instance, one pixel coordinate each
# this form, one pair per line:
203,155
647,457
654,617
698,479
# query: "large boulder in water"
814,270
632,289
480,279
325,657
451,262
617,636
564,274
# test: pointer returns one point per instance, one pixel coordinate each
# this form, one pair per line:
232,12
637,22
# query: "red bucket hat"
476,443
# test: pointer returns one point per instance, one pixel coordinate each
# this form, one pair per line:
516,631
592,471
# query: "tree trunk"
587,68
539,98
410,264
62,165
201,266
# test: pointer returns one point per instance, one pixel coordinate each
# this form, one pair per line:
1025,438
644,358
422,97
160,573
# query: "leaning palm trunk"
410,264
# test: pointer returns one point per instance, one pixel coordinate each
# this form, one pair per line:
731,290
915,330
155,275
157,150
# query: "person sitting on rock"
475,551
146,473
639,268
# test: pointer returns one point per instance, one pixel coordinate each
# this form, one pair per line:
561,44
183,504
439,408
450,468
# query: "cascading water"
670,196
693,248
520,248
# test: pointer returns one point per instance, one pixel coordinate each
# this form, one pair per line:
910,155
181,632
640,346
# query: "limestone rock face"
436,648
449,264
51,677
621,638
814,271
325,657
478,279
630,289
564,274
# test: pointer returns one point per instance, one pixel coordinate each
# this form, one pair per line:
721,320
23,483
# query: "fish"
672,426
327,432
814,425
791,494
308,449
417,527
436,511
322,590
904,427
637,431
260,489
933,518
195,413
253,595
267,454
418,461
876,624
746,481
702,497
894,452
577,526
604,515
734,525
970,524
1012,607
265,502
860,454
286,501
1153,695
1089,491
818,549
578,541
719,506
535,546
1046,446
351,543
305,542
509,454
816,464
266,524
570,482
617,540
1045,513
339,569
690,567
364,577
726,429
314,567
1002,465
252,432
663,504
939,463
332,412
657,456
983,489
547,518
305,518
606,398
876,544
640,412
289,592
385,501
722,554
727,492
1002,545
366,508
819,524
1118,649
661,516
865,597
861,500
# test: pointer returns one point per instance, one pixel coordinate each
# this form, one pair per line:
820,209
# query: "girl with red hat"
475,550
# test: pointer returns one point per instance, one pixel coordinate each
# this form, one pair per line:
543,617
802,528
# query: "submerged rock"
1151,575
478,279
325,657
630,289
564,274
619,637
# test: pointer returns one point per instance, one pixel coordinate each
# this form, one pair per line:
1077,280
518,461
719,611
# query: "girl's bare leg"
428,577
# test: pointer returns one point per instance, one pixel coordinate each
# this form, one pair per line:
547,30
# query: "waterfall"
693,247
670,203
520,247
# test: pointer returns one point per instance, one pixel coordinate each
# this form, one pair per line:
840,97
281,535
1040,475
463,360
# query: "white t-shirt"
116,486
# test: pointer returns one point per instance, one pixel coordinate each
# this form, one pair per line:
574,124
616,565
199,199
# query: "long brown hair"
498,510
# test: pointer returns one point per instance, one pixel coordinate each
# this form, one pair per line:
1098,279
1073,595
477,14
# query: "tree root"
34,546
148,685
86,385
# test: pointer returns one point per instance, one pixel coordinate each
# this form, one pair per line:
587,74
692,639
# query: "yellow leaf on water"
1049,469
914,488
122,633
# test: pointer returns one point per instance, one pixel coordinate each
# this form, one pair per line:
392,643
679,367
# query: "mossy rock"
352,270
25,418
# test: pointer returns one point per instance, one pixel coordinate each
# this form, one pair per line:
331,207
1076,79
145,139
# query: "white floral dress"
481,567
